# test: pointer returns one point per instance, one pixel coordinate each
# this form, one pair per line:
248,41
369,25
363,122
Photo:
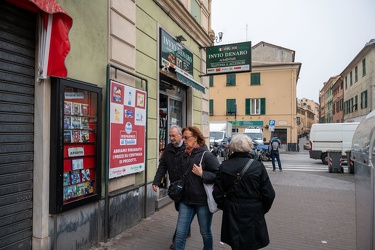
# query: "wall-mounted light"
180,38
218,38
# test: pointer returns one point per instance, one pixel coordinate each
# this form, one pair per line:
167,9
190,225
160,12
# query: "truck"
330,136
219,131
256,134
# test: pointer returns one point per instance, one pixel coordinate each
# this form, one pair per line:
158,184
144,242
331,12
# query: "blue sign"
272,123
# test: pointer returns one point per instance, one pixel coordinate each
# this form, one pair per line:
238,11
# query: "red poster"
127,130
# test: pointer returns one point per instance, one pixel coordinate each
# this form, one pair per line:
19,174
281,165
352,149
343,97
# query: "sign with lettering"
127,130
229,58
175,55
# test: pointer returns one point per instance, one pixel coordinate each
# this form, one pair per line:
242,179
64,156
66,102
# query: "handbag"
176,189
212,206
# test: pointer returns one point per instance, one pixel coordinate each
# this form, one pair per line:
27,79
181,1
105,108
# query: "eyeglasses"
186,137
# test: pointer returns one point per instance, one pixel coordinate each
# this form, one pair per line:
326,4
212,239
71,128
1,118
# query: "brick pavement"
311,211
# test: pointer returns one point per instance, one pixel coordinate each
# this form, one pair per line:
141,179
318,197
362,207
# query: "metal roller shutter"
17,79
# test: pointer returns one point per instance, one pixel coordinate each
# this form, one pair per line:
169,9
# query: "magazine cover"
67,108
84,109
72,191
67,122
65,193
75,177
76,108
89,188
85,136
80,189
85,173
76,136
84,122
77,164
67,136
66,179
76,122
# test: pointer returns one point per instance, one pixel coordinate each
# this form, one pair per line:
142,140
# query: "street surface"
313,209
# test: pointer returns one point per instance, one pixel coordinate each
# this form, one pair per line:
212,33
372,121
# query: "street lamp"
218,38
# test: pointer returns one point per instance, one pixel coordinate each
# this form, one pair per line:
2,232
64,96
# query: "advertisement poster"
127,130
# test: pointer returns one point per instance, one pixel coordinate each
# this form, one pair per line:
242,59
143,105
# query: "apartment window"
231,79
211,81
351,78
356,103
211,107
255,106
341,104
231,106
363,67
364,99
346,82
356,74
351,105
255,79
196,11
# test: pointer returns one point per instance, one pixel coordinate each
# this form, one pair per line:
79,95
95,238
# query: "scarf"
189,151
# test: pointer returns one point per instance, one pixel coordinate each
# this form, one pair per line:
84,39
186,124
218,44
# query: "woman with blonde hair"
245,197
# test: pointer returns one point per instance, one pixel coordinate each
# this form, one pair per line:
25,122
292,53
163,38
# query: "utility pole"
235,118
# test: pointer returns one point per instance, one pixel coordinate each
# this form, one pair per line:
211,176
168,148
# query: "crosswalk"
301,167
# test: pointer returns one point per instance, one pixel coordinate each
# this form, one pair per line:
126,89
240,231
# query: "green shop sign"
247,123
230,58
175,55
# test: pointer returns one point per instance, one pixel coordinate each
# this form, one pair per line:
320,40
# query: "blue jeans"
185,215
275,154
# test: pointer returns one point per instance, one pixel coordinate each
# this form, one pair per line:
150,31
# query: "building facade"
268,93
349,96
359,83
117,41
307,115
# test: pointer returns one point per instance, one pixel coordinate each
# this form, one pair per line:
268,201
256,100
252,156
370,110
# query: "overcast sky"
325,34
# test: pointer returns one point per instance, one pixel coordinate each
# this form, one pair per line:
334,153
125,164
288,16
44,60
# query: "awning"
57,24
190,82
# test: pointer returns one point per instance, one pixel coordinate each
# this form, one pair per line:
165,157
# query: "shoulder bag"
175,190
209,188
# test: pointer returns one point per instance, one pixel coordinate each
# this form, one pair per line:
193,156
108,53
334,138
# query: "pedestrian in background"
170,162
245,201
275,145
194,199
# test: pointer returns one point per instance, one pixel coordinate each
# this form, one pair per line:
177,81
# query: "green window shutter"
231,79
262,106
364,67
211,107
231,106
211,80
247,106
366,99
255,79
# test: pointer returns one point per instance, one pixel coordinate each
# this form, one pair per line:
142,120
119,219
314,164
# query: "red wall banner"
127,130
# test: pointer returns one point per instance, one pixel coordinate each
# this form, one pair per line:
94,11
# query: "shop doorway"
171,112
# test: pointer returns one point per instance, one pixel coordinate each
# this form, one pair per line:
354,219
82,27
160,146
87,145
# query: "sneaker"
281,170
273,169
171,246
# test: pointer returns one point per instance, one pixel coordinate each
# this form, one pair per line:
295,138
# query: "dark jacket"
194,193
244,204
170,161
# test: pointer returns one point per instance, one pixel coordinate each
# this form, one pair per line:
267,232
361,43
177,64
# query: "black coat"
194,192
170,161
244,204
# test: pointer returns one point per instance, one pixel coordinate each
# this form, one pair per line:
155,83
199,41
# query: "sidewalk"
309,212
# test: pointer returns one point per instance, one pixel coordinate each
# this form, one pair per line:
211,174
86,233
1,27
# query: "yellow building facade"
264,96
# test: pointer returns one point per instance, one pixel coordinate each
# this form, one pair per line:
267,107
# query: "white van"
330,136
256,134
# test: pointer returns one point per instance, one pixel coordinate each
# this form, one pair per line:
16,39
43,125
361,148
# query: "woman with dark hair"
194,199
244,200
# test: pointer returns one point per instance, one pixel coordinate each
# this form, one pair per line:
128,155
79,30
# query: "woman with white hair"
244,197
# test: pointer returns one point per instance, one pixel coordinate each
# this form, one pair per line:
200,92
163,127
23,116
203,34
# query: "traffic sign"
272,123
